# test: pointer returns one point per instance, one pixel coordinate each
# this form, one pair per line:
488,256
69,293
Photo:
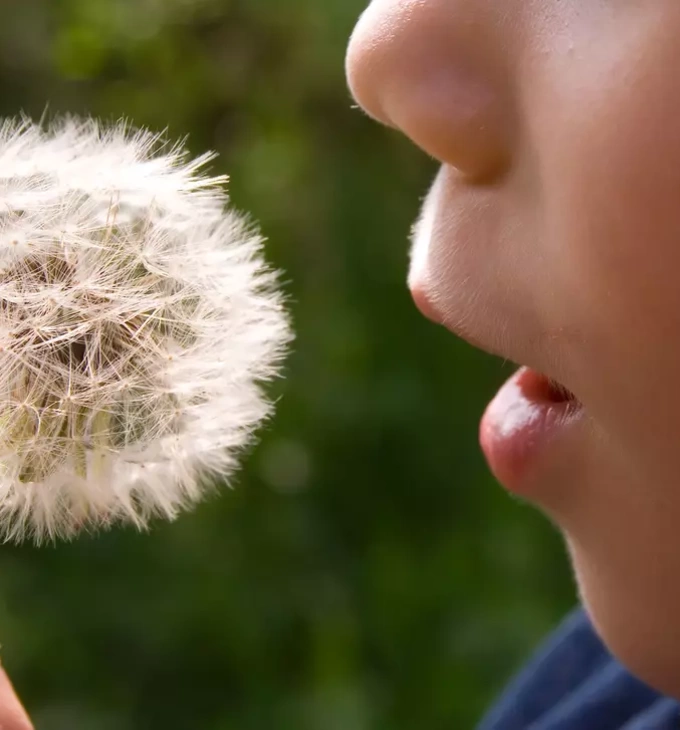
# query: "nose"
435,69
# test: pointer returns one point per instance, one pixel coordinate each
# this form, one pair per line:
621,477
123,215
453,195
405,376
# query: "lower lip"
524,426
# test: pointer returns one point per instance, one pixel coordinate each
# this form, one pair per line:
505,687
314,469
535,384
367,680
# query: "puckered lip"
528,423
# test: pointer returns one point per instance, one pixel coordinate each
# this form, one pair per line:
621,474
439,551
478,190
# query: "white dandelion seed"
138,323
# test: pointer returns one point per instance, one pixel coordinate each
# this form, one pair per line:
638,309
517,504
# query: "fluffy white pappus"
138,325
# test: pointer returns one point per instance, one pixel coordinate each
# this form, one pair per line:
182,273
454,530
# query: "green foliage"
366,573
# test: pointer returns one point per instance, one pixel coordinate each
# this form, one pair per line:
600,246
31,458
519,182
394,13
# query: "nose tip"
426,68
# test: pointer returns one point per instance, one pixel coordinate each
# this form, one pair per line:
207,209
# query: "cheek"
610,168
611,181
622,256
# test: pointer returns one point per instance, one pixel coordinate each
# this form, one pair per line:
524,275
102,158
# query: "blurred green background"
366,573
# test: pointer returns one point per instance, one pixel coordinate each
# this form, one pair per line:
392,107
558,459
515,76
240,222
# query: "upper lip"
496,319
429,310
535,352
424,305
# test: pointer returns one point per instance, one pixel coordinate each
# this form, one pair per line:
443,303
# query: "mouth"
534,426
526,425
552,391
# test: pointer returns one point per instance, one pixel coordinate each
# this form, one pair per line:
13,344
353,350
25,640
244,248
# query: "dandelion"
138,324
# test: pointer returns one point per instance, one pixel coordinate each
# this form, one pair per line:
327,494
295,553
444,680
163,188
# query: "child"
551,237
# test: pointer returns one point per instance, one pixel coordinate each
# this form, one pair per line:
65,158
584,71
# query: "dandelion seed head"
138,324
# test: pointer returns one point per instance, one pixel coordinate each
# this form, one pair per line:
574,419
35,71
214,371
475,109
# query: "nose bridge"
434,69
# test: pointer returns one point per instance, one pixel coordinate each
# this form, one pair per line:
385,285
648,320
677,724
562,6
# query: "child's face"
552,237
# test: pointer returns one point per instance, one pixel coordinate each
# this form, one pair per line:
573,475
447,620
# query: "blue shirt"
573,683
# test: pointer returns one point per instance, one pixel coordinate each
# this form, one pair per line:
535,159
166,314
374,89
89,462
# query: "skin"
551,237
12,714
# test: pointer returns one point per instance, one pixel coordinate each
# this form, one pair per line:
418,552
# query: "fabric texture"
574,683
